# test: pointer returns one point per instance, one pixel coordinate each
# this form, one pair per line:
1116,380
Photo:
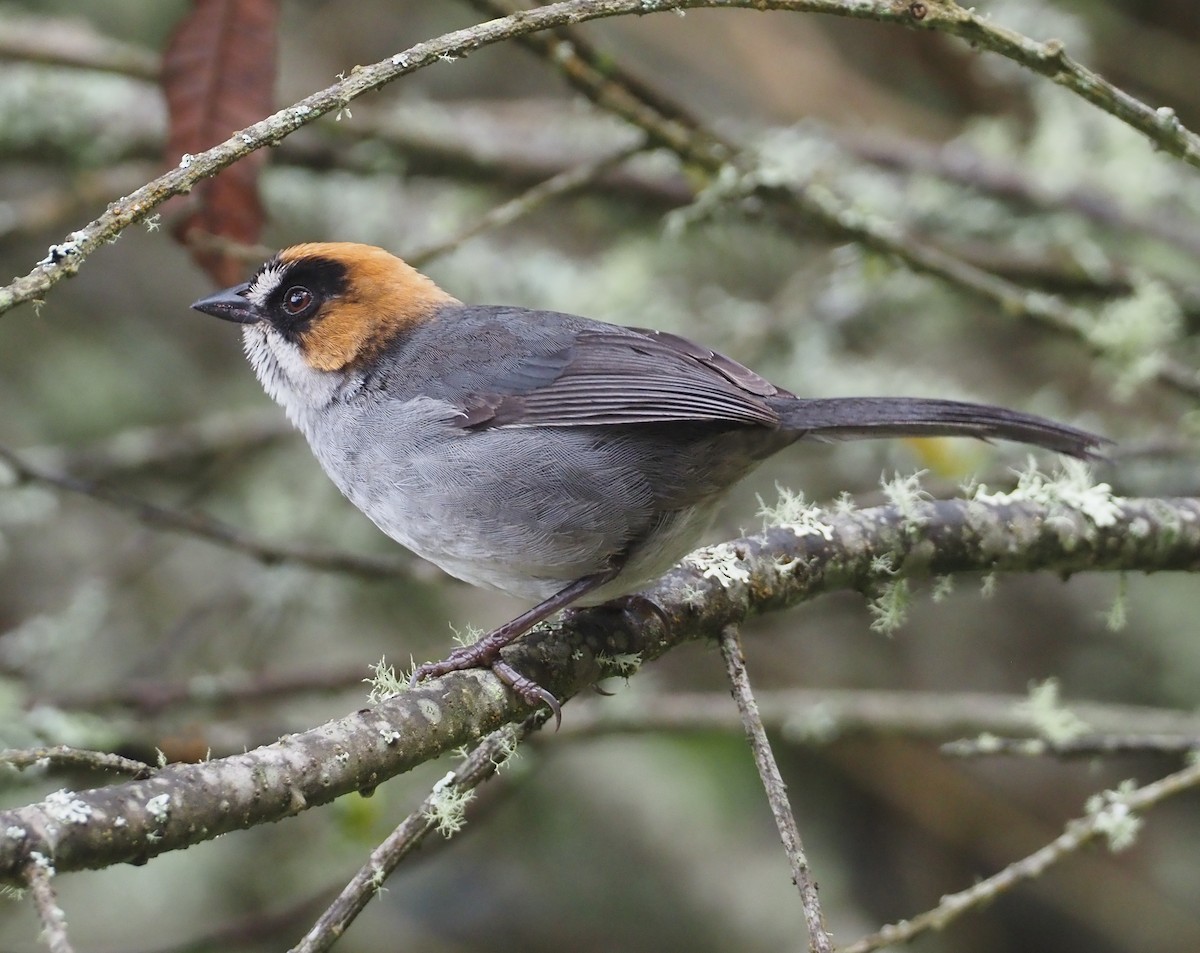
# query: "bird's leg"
485,653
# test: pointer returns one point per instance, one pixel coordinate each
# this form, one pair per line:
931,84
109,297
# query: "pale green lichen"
1071,489
159,807
725,188
384,682
623,664
1112,816
943,586
692,596
1117,616
817,724
1051,719
845,504
720,562
907,496
793,512
447,806
884,564
1136,333
890,606
508,749
63,806
988,743
468,635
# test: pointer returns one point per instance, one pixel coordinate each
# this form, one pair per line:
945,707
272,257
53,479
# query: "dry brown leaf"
218,76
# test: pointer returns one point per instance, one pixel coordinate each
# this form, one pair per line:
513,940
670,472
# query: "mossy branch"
64,259
713,588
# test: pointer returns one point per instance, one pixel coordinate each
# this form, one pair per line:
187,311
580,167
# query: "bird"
560,459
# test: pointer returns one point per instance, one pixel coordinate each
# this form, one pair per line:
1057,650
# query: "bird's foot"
486,654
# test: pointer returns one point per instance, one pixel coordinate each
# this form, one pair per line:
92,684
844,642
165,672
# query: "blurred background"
118,635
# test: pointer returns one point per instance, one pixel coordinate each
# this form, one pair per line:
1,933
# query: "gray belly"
526,511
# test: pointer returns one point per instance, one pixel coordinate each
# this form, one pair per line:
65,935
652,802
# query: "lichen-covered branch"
442,809
1162,126
1113,815
737,176
39,877
1064,530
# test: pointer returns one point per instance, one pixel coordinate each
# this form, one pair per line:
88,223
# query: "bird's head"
332,305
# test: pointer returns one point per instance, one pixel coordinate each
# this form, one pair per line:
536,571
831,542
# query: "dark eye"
297,299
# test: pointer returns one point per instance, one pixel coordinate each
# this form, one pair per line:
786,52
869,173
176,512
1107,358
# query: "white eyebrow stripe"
264,283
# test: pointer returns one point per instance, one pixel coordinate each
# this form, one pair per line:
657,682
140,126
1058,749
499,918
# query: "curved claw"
529,690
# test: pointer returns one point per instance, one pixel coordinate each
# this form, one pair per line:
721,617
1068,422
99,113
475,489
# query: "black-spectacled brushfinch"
547,455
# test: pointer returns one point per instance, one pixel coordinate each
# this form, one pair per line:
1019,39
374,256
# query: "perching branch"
814,552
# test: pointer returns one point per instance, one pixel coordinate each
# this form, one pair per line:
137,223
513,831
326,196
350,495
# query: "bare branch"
1119,806
140,448
805,203
482,763
756,733
818,717
57,42
561,184
1088,745
220,691
62,755
212,530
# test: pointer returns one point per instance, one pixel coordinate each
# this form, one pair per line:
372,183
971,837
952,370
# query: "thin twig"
38,876
65,756
222,690
1007,180
819,940
814,717
1089,745
1161,126
141,448
1117,809
563,183
612,89
1046,310
59,42
209,529
455,789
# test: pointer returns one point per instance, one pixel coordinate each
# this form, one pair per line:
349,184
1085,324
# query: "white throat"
299,389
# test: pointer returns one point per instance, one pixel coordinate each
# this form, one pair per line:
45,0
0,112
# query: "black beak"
230,304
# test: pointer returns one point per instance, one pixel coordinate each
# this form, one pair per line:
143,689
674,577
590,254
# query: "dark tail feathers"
849,417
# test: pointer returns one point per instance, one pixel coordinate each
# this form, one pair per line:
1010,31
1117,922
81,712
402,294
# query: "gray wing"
625,376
